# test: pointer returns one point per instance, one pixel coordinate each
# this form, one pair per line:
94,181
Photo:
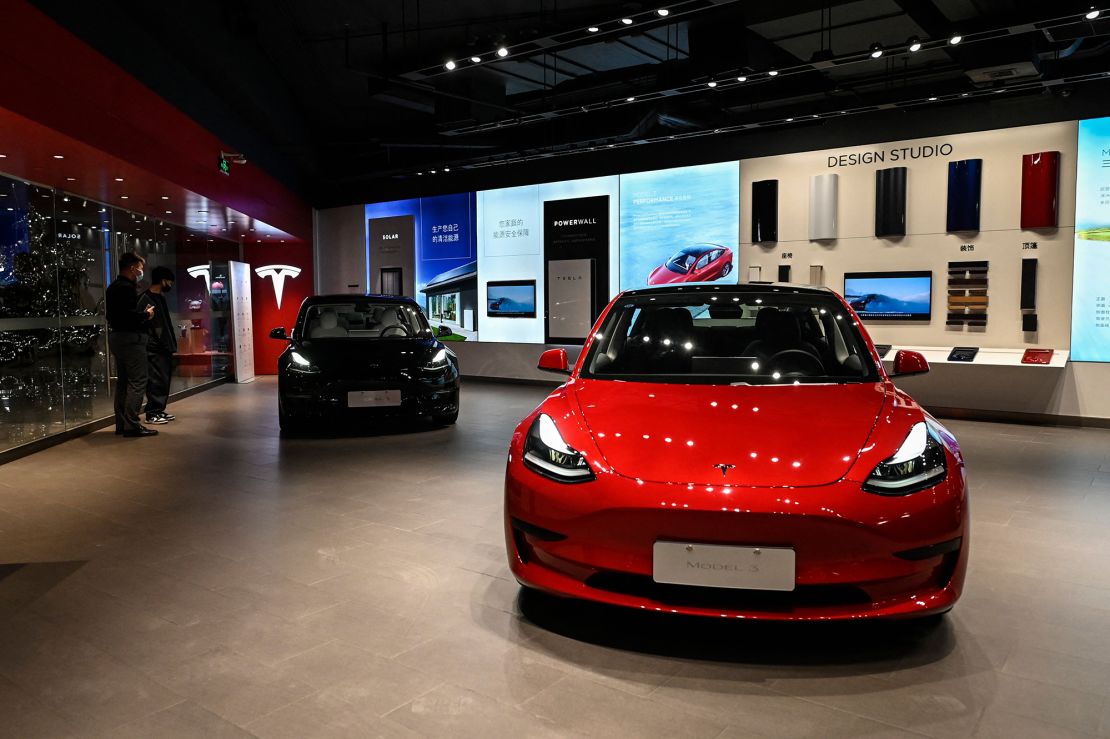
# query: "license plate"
373,398
716,566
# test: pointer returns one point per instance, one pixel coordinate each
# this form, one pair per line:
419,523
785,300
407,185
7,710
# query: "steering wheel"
394,330
796,363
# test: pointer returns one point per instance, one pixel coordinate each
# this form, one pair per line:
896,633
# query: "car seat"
329,326
777,331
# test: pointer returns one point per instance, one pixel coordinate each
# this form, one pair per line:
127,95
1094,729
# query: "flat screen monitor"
890,296
511,299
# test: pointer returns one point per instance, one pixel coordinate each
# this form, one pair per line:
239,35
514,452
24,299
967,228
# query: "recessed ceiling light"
788,120
502,52
450,65
433,171
165,197
626,21
593,29
741,79
123,197
955,39
59,156
963,94
915,44
711,84
446,169
629,100
476,59
1092,14
773,73
119,179
168,212
663,12
876,51
71,179
3,156
932,99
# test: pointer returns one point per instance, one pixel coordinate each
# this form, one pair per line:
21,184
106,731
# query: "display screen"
890,296
515,299
1090,301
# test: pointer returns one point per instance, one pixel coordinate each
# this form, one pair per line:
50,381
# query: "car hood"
793,435
663,276
368,357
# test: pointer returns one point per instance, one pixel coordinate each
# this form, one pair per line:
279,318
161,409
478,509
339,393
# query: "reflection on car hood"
794,435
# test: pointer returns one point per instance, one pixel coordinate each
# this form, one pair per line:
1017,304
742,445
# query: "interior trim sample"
755,273
967,293
765,211
822,206
1028,284
784,273
965,181
1040,180
890,201
816,275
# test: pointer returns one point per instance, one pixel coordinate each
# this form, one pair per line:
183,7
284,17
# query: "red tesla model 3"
697,263
737,451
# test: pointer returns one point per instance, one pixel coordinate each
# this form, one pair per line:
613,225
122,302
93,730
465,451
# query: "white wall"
341,250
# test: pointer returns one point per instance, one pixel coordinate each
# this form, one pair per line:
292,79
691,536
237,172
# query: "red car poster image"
697,263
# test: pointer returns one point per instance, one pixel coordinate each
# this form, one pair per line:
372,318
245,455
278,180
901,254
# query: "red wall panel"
1040,176
264,305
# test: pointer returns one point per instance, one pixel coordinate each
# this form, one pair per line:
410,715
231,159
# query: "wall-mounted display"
765,211
890,202
965,180
890,296
511,299
576,254
679,225
822,206
1090,306
1040,178
967,293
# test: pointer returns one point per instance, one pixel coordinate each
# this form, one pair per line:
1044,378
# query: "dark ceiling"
348,100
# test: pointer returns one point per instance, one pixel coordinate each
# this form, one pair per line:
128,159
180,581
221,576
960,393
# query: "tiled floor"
218,581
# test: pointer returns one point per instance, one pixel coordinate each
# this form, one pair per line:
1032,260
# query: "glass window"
363,319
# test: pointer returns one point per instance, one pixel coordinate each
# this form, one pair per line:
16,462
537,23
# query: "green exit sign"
225,166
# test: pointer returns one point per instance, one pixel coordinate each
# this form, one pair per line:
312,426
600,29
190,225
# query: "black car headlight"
300,363
439,362
918,464
545,453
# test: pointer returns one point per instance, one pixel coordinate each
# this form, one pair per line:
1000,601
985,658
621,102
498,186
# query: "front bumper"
306,397
858,555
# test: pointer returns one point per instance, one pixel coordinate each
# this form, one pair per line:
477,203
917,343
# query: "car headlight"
300,363
545,453
918,464
438,362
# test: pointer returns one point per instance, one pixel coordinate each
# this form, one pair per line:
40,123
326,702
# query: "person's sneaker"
157,419
169,416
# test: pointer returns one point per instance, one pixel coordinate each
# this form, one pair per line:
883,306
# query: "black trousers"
129,350
160,370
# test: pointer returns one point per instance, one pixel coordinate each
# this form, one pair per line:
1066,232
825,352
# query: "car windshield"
363,319
723,336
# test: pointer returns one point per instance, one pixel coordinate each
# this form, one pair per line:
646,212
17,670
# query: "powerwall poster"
680,225
447,264
1090,310
576,255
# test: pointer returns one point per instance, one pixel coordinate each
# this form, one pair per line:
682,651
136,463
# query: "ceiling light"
629,100
123,197
663,12
741,79
168,212
711,84
626,21
476,59
876,51
446,169
59,156
788,120
449,66
71,179
432,171
3,156
963,94
773,73
932,99
1092,14
955,39
119,179
593,29
915,44
419,173
502,52
165,197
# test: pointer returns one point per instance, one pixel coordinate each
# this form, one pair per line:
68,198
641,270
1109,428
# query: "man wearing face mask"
129,315
160,347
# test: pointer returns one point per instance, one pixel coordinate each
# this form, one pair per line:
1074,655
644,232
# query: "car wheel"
726,270
446,419
289,426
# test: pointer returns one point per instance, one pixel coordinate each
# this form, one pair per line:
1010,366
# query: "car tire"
726,271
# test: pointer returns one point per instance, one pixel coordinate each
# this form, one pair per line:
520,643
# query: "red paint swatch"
1040,175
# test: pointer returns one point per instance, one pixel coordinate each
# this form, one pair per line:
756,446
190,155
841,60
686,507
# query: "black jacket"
163,334
123,308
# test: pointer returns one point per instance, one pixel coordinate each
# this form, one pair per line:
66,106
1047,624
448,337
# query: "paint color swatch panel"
965,180
967,293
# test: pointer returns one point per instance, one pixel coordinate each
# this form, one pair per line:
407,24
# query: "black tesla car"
364,358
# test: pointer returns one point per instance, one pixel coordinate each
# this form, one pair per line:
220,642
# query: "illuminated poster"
680,225
1090,309
447,264
576,252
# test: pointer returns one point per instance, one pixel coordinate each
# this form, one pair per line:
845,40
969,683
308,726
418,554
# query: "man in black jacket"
128,315
160,347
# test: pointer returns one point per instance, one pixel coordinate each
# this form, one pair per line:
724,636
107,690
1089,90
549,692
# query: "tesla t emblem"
277,272
724,468
203,271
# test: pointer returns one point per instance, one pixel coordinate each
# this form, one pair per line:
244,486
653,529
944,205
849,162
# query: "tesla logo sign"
724,468
278,273
203,271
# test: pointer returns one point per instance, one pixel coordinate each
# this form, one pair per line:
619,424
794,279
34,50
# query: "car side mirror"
443,331
279,334
554,360
909,363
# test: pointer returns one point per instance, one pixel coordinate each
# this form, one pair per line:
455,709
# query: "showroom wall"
826,217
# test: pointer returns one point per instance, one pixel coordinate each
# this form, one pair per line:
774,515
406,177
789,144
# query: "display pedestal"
989,356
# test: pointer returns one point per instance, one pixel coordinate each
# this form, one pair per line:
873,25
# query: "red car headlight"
918,464
547,454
